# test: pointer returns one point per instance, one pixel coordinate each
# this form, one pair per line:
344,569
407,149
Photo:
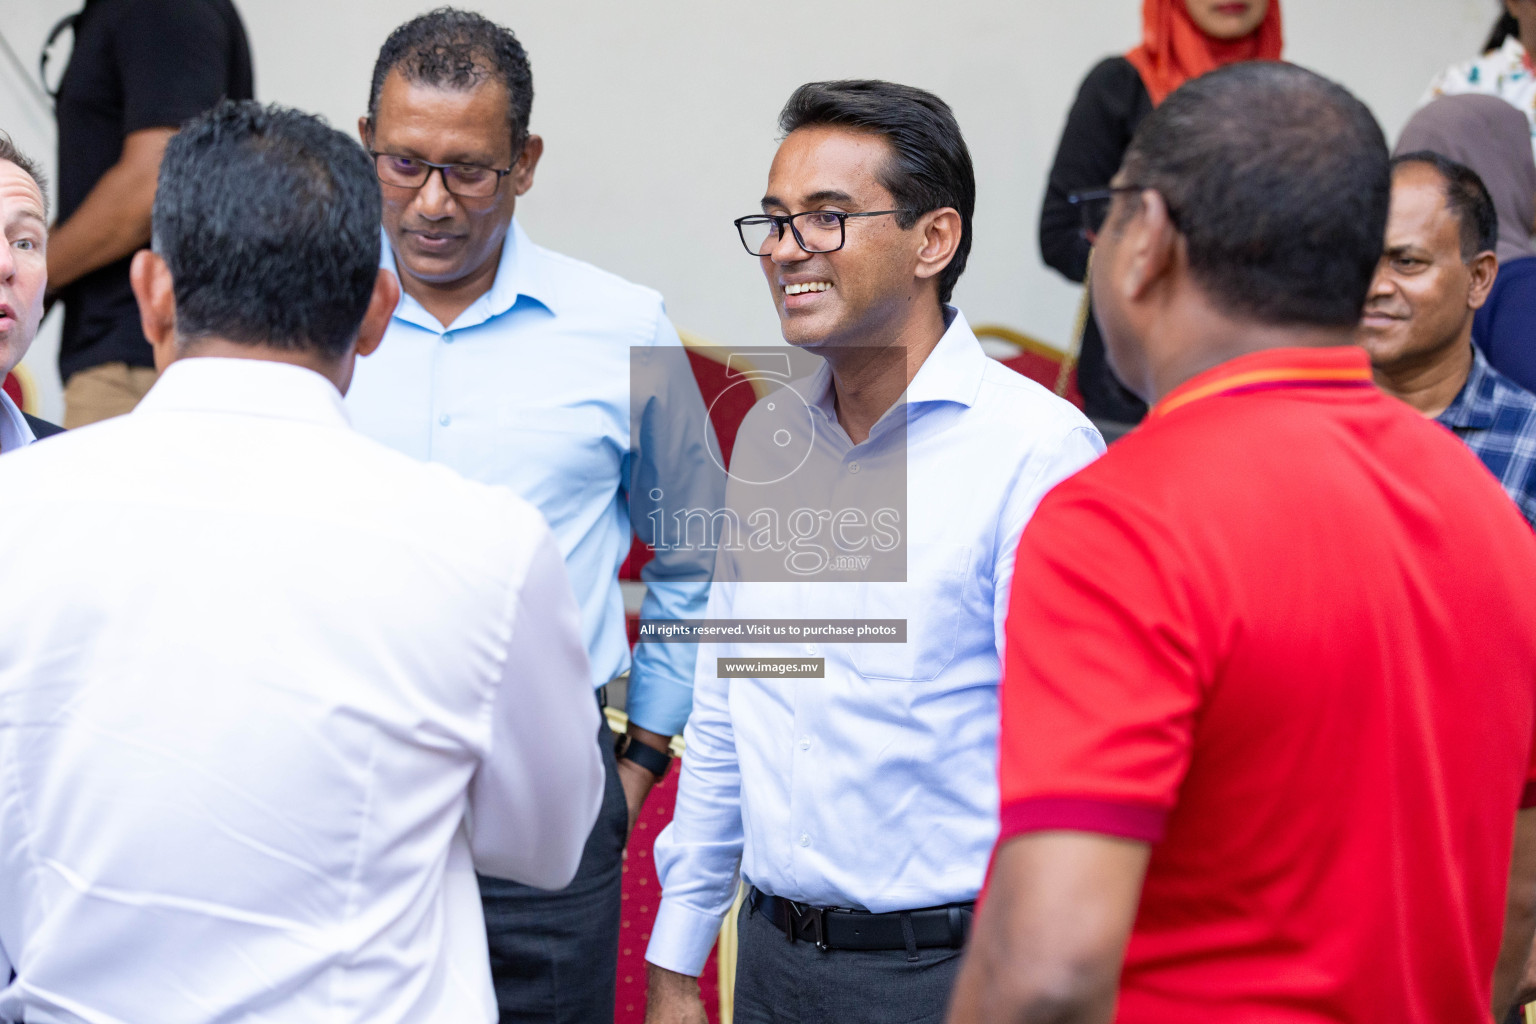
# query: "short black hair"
457,49
1278,180
1466,197
930,167
269,222
8,151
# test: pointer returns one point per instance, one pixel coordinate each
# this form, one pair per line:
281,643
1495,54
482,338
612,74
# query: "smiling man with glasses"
512,365
859,805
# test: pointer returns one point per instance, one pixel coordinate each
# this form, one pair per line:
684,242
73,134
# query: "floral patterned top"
1506,72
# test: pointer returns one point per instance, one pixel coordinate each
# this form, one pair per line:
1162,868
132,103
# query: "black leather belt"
835,928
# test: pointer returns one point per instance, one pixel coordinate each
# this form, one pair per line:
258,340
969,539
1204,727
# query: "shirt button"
805,840
810,648
805,743
445,419
853,467
447,339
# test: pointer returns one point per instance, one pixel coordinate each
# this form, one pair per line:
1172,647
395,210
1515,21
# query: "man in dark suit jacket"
23,279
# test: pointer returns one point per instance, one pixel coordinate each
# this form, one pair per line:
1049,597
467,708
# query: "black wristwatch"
647,757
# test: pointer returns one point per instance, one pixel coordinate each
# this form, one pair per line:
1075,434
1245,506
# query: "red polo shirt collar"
1344,366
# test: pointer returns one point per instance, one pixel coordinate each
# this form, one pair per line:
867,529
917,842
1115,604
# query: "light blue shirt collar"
520,274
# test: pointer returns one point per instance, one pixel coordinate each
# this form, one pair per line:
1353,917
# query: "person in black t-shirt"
1182,39
139,69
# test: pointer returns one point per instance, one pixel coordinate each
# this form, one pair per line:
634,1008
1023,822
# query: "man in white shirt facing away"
512,365
248,771
860,805
23,279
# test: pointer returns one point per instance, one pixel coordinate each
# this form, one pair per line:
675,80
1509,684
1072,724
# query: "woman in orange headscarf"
1181,39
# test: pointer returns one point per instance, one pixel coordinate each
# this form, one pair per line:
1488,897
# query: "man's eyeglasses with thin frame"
815,231
470,181
1093,206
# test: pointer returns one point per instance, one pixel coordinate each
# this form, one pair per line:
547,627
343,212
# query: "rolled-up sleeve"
672,471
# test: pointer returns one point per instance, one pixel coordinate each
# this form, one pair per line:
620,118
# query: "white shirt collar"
246,387
14,431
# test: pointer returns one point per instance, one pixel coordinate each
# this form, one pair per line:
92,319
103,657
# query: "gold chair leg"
1075,346
725,957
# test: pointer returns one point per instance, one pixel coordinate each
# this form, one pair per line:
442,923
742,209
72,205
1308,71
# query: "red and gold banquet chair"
1045,364
1040,362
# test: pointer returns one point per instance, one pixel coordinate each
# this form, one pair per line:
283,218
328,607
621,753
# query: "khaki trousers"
104,391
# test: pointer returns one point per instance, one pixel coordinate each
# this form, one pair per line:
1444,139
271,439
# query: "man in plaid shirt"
1436,271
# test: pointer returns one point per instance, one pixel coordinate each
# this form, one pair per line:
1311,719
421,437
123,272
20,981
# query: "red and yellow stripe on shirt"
1341,366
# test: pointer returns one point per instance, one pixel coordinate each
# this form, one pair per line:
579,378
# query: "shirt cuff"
1083,814
658,704
682,938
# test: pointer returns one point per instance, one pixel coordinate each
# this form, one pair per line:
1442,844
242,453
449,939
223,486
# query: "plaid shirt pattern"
1497,419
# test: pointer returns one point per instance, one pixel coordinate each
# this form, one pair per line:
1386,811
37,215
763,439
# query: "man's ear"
940,240
1149,247
381,306
527,161
364,133
1484,271
152,286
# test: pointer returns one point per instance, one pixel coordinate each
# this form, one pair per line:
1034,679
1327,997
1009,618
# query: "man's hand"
637,782
672,998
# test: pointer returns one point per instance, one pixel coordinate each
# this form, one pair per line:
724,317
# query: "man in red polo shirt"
1270,673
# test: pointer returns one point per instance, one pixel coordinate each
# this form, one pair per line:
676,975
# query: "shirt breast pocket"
932,601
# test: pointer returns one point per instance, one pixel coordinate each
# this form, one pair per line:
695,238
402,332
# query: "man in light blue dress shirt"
513,365
859,806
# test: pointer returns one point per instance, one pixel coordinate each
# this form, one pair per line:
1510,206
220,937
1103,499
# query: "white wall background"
658,117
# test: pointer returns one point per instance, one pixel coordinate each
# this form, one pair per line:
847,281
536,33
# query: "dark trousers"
779,982
555,955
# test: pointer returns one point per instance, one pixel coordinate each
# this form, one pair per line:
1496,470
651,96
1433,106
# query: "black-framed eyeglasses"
1092,206
814,230
472,181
